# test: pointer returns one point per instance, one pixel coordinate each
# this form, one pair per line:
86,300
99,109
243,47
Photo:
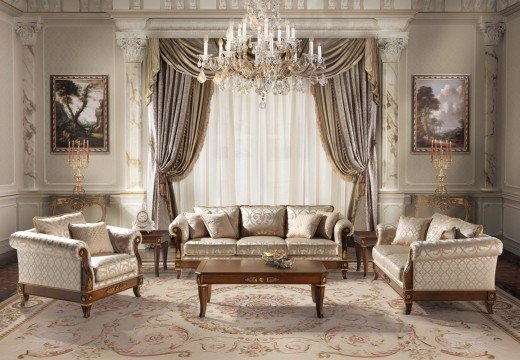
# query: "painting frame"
461,137
59,141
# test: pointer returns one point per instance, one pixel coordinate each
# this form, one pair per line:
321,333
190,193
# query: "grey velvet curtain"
181,112
346,115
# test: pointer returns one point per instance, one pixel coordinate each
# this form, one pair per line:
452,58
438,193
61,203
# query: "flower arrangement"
277,258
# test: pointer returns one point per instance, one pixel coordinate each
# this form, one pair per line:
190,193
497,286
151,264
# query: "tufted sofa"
448,269
260,229
63,268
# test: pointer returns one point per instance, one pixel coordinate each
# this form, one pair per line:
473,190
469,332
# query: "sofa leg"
86,310
23,299
408,306
344,273
137,290
490,301
179,272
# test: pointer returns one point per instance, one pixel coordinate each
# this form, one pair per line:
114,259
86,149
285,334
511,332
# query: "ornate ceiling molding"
27,29
492,29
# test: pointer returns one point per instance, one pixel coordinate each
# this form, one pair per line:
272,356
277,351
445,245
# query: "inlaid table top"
251,266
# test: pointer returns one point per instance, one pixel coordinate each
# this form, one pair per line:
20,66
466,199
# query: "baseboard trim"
511,246
8,257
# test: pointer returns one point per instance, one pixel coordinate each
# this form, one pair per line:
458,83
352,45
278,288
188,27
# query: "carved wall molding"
27,29
492,29
390,48
133,45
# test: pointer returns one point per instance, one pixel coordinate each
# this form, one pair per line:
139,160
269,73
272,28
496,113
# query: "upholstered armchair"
432,270
63,268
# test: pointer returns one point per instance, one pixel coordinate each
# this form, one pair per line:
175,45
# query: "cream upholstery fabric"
109,266
456,249
232,211
326,226
385,234
257,245
263,220
442,222
208,246
123,239
115,280
46,244
449,234
218,226
196,225
181,223
392,260
304,226
57,225
410,229
311,247
95,235
294,211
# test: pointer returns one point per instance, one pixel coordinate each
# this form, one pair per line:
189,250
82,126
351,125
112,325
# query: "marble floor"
507,274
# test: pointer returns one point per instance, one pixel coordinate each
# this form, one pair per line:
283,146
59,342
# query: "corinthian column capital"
27,29
390,48
492,29
133,45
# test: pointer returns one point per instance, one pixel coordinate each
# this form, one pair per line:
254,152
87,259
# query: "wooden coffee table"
245,271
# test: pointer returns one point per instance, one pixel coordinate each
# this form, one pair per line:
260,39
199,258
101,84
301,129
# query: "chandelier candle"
275,66
79,157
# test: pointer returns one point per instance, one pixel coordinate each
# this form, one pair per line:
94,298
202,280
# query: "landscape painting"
440,111
79,111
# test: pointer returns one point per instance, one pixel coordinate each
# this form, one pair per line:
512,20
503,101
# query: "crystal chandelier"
259,62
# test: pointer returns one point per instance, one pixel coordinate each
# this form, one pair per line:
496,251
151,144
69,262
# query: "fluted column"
27,30
134,49
492,30
390,51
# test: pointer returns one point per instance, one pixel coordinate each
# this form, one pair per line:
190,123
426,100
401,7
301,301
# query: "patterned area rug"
363,318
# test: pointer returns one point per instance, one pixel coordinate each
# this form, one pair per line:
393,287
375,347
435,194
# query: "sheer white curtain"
270,156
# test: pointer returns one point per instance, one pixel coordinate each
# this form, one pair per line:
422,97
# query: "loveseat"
259,229
438,258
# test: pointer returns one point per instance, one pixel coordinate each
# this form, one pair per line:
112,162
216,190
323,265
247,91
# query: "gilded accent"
89,284
252,280
113,289
271,280
324,280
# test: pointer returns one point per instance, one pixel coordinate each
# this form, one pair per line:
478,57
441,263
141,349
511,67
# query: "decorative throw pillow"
325,228
294,210
232,211
442,222
218,226
410,229
459,235
304,226
196,225
263,220
57,225
95,235
449,234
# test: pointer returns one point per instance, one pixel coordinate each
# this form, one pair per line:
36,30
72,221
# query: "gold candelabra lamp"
79,156
441,156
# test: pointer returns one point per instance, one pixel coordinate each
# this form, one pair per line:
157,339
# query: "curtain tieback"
163,183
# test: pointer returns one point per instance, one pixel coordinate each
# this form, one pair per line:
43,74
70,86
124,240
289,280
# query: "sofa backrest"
232,211
441,222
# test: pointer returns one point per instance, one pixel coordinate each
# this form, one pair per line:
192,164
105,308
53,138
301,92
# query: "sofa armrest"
124,241
455,249
29,241
385,234
180,229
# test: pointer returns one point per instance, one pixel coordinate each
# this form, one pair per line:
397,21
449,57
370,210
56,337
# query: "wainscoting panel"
511,236
8,225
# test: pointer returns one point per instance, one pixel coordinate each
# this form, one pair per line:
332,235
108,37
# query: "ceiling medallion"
256,57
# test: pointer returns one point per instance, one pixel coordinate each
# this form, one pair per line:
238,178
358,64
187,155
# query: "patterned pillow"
263,220
232,211
442,222
410,229
58,225
304,226
218,226
325,228
95,235
295,210
196,225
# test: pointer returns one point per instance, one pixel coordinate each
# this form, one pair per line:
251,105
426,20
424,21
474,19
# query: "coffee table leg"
203,299
319,293
208,289
157,254
165,254
313,292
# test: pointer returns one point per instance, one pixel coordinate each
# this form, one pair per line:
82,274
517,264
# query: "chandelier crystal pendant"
256,57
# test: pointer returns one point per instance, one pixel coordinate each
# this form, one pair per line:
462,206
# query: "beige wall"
510,121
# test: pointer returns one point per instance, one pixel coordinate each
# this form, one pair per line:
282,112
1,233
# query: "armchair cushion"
107,266
208,246
410,229
232,211
391,259
263,220
57,225
311,247
441,222
95,235
257,245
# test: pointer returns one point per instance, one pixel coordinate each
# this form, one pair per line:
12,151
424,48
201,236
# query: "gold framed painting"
440,111
79,111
